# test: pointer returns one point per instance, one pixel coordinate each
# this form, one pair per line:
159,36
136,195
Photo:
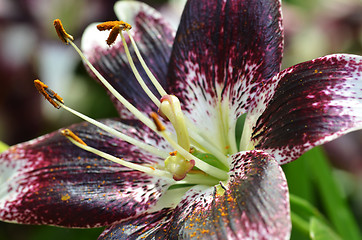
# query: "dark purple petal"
225,50
51,181
313,103
254,206
145,226
154,38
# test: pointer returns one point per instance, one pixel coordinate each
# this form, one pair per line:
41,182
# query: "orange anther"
49,94
69,133
113,35
160,127
173,153
115,27
110,24
62,34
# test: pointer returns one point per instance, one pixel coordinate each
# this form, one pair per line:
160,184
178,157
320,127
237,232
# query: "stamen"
62,34
57,101
110,24
193,130
153,79
182,150
173,153
70,134
146,169
137,75
113,35
124,137
118,96
49,94
160,127
115,27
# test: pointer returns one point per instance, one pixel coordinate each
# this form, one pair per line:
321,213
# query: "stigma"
186,163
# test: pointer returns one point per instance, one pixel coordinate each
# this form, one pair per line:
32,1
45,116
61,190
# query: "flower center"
194,160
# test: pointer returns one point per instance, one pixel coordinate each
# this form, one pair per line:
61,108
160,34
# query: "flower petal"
224,50
154,38
254,206
50,181
313,103
145,226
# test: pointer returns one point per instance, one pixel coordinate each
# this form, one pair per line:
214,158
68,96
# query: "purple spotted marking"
313,103
154,38
225,61
255,205
49,181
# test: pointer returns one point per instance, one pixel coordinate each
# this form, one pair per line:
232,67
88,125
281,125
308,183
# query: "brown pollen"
110,24
62,34
69,133
49,94
160,127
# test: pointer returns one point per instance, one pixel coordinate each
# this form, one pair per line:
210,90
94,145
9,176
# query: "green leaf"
3,147
305,208
333,202
321,231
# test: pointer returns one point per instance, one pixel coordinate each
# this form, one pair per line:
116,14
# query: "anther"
110,24
173,153
160,127
49,94
113,35
62,34
115,27
68,133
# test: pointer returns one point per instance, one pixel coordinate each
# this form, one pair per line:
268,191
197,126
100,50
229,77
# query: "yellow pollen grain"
65,197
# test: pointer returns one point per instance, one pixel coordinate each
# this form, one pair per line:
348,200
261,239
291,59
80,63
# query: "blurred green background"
29,49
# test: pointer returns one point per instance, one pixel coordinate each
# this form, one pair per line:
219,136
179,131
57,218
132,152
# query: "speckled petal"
154,38
147,226
224,50
50,181
313,103
254,206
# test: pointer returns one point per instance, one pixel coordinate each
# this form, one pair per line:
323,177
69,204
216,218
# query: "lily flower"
175,165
